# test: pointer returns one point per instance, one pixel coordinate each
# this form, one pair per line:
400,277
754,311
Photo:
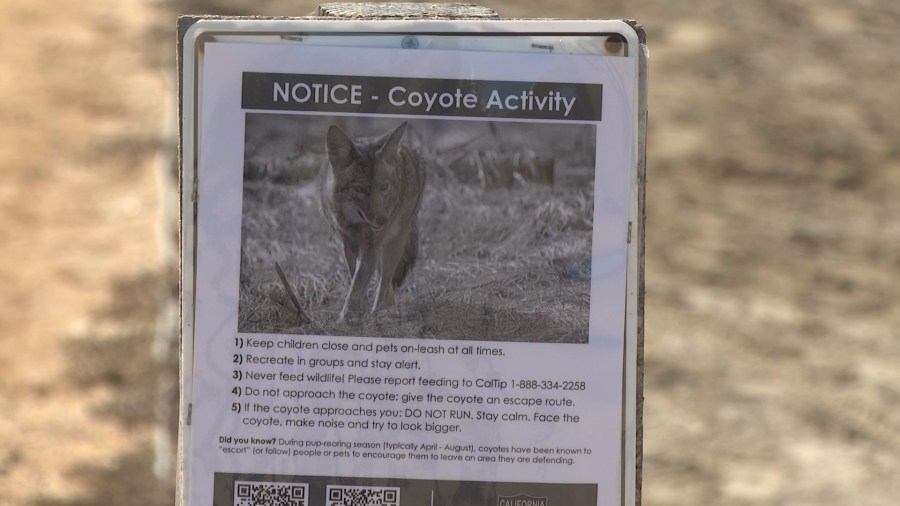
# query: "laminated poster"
409,276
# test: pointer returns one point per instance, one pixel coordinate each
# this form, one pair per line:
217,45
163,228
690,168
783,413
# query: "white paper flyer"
410,277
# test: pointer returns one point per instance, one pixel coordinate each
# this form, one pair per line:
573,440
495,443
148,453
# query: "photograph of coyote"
423,228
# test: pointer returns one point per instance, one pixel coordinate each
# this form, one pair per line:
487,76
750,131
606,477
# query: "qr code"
269,493
342,495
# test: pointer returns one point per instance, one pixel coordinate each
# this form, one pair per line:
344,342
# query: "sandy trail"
82,120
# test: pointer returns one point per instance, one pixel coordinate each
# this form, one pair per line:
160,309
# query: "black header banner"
420,96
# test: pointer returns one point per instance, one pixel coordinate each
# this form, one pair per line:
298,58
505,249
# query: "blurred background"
773,248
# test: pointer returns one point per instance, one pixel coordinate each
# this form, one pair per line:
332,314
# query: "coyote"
371,191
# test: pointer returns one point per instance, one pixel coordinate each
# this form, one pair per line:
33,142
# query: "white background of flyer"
599,363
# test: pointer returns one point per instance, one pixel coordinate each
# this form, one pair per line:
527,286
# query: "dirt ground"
773,247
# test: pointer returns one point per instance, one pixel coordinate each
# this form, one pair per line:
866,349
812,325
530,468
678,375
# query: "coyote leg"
391,256
357,298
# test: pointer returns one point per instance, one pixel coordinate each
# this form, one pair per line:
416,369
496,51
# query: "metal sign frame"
196,32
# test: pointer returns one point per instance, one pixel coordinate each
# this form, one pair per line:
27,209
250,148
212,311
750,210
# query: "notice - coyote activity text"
371,192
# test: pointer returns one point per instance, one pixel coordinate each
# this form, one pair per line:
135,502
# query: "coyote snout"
371,192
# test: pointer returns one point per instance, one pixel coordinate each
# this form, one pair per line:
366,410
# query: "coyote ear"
391,147
340,148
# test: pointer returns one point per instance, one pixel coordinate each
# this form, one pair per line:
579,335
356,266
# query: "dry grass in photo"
505,233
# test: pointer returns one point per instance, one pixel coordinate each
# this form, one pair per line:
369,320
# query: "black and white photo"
495,217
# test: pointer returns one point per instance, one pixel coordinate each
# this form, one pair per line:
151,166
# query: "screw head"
409,42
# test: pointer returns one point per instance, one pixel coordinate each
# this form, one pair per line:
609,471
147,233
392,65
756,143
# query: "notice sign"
407,271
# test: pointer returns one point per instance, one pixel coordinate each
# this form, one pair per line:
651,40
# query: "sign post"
412,265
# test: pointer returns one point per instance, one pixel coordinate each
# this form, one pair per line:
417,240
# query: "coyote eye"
384,186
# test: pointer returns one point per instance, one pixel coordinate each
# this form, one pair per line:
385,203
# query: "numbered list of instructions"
389,401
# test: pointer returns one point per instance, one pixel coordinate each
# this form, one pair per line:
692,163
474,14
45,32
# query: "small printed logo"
521,500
